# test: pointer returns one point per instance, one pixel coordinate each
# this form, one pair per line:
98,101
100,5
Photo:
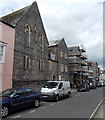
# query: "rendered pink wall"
7,35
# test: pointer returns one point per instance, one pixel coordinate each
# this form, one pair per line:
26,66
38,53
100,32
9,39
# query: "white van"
53,90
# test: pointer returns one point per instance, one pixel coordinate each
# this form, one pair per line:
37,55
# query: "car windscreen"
101,81
50,85
81,86
7,93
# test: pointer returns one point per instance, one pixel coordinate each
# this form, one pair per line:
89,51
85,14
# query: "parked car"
53,90
92,85
101,83
14,99
84,88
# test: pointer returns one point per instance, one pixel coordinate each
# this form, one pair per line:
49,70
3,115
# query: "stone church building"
30,65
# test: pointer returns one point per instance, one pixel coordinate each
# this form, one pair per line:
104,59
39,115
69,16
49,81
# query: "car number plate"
44,96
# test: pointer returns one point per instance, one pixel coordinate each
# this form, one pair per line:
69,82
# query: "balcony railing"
79,61
84,63
74,60
79,70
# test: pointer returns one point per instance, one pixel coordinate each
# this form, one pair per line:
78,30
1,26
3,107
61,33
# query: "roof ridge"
15,11
14,17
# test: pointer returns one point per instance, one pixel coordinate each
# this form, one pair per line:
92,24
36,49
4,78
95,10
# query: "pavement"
73,90
101,111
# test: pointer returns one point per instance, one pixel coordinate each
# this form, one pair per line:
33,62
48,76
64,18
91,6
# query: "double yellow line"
96,109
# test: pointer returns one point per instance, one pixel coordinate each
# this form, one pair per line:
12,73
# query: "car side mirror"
16,96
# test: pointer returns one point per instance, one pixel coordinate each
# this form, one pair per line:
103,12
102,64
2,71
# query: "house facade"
7,36
30,66
53,73
59,58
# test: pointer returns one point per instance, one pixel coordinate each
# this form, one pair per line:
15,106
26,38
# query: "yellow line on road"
96,108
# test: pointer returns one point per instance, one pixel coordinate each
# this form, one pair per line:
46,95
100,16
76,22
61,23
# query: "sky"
79,22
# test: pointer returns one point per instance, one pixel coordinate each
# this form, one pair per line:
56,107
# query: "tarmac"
100,113
73,90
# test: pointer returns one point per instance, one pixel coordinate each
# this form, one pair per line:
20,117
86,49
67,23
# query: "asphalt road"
80,105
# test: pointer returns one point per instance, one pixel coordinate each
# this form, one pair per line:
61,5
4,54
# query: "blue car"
13,99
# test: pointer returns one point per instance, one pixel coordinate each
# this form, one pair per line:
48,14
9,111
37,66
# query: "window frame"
27,62
3,53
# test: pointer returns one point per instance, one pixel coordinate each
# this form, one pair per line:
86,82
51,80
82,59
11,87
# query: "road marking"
52,104
16,116
32,111
59,102
78,94
96,109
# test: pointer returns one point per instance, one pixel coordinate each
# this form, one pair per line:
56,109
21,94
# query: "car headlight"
52,92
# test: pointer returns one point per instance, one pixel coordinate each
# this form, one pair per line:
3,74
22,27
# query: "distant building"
30,67
78,69
96,71
90,72
58,60
7,36
102,75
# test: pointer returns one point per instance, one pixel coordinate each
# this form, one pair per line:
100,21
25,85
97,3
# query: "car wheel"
36,103
4,111
57,98
69,94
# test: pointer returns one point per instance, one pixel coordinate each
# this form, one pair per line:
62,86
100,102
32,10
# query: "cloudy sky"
80,22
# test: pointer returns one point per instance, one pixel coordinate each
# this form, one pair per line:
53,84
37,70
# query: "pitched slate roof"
54,42
14,17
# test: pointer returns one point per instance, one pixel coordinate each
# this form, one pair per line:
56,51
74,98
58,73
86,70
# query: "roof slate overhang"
13,18
7,24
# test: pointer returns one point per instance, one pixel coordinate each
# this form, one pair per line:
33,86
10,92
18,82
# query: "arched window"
27,35
27,62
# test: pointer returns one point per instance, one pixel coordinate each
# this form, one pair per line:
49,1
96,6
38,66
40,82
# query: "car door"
18,99
61,89
29,96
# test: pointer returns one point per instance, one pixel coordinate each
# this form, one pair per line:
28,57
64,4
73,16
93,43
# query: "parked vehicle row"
14,99
84,88
91,85
101,83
